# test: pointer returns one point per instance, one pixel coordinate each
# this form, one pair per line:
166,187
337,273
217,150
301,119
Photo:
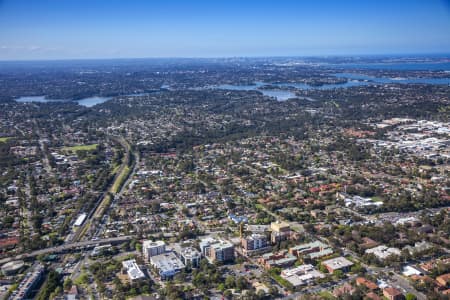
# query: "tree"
261,294
227,294
358,269
51,284
241,283
273,291
229,282
67,283
405,255
410,296
338,274
138,247
323,269
82,279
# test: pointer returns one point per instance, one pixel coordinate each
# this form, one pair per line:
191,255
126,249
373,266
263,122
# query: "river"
87,102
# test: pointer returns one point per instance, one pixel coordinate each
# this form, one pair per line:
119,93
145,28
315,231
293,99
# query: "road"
76,242
406,287
70,246
104,200
46,162
319,288
397,280
102,221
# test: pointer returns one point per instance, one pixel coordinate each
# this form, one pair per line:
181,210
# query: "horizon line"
229,57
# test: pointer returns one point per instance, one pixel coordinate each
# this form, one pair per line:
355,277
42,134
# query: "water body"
87,102
417,66
279,94
282,94
354,79
39,99
304,86
385,80
91,101
239,87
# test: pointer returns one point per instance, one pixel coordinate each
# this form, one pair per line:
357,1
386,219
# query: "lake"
280,95
91,101
87,102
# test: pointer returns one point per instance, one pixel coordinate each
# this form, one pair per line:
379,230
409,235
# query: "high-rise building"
190,256
222,252
254,242
217,250
150,248
29,283
280,231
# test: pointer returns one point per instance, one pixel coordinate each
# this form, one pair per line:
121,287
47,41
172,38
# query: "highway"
70,246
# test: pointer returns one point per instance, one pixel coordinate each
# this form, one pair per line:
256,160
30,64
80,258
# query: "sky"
78,29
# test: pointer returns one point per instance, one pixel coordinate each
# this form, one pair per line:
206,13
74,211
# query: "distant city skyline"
82,29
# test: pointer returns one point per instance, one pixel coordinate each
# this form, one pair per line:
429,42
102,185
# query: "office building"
190,256
166,265
131,268
150,248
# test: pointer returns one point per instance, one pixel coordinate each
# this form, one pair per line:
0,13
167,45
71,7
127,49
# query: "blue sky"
59,29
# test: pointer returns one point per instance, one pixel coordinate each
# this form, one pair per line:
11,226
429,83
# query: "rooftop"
149,243
221,245
338,263
167,262
383,252
133,270
190,252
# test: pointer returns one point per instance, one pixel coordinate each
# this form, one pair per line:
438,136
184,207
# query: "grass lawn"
283,282
4,139
259,206
81,148
120,180
116,169
377,198
326,295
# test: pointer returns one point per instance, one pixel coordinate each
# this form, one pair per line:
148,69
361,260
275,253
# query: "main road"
96,213
67,247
